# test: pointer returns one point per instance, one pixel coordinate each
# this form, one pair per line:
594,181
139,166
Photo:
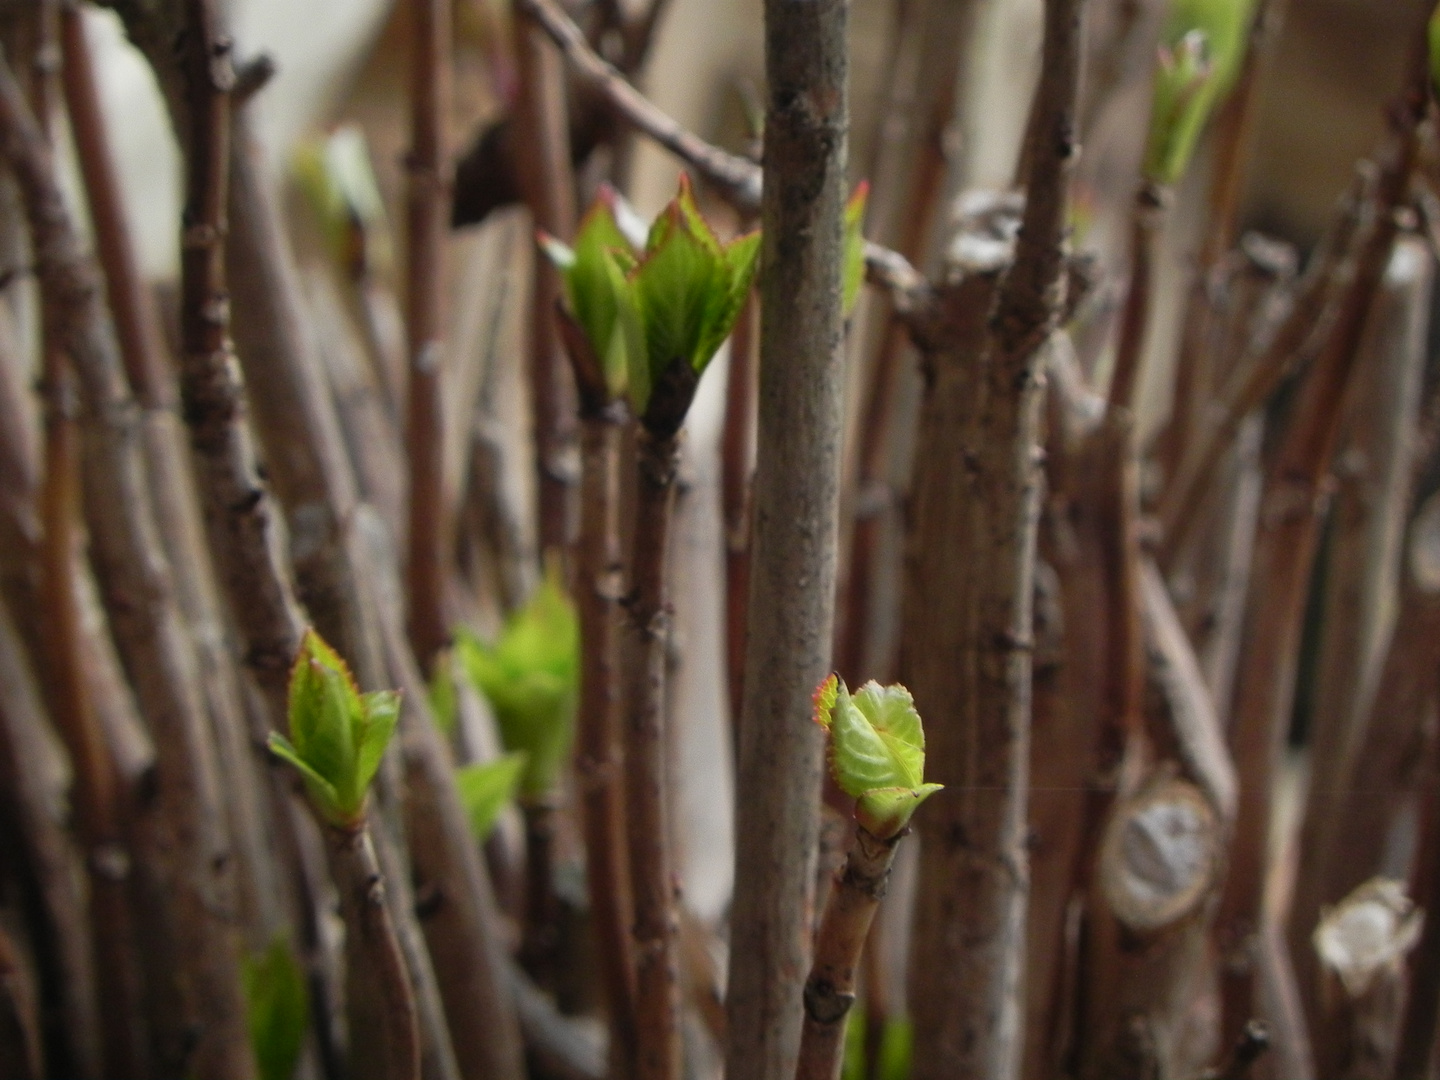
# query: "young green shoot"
1201,52
278,1009
877,755
530,676
337,739
877,752
592,275
337,734
654,318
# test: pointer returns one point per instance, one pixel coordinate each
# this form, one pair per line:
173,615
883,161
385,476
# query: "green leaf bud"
1201,52
877,752
337,735
593,276
530,676
277,1010
687,291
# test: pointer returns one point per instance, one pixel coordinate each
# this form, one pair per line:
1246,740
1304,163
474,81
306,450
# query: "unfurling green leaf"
277,1008
593,274
531,678
687,290
485,789
1201,52
877,751
337,735
642,313
854,272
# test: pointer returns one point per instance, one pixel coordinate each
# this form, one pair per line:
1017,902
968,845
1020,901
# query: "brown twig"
334,571
367,917
546,178
1147,942
187,809
655,947
1261,370
80,948
968,596
21,1053
98,808
262,891
839,943
428,203
599,577
933,43
793,553
1284,554
1363,549
737,177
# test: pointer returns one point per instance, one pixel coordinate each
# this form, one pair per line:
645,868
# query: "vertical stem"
543,163
1228,171
599,576
46,841
737,474
966,651
177,509
97,804
203,1013
657,990
792,562
1285,548
429,216
839,944
1363,551
131,305
367,916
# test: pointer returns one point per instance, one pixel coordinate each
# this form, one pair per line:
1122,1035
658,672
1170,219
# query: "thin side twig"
839,943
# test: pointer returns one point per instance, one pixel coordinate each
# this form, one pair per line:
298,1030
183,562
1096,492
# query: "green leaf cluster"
277,1010
1201,53
877,752
486,789
531,676
337,734
336,176
674,302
